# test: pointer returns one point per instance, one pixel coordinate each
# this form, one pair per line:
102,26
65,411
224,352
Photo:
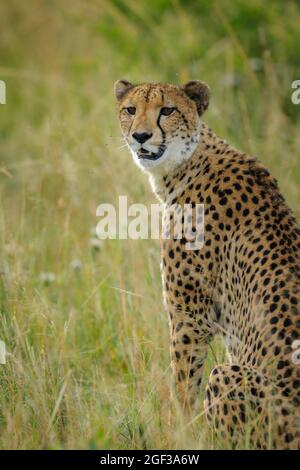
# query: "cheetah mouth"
144,154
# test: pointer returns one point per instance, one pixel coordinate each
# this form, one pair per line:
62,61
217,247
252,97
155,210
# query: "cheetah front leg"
189,344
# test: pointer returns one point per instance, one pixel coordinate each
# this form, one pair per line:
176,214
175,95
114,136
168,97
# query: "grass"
84,325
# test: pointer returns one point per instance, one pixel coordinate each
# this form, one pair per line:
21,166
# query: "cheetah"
244,282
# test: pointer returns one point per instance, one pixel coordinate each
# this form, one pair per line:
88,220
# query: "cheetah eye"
131,110
166,111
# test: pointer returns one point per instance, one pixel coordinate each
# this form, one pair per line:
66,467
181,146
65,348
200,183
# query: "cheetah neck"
169,185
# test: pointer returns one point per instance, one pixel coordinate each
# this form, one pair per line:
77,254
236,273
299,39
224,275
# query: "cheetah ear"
199,93
121,88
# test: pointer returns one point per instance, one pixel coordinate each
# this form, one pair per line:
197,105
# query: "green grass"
88,355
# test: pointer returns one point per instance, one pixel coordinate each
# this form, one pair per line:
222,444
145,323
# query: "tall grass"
84,326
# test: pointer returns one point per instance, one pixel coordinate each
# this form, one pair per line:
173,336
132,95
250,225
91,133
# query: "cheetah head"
160,122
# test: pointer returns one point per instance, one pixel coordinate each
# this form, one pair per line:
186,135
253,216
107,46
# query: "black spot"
186,339
223,201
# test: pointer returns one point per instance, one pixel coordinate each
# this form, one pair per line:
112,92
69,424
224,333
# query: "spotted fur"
243,284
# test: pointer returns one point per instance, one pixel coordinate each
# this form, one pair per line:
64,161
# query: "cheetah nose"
141,137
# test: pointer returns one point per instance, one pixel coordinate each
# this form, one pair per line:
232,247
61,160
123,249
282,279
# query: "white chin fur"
175,154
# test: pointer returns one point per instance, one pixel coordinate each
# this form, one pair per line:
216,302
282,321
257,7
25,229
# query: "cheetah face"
160,122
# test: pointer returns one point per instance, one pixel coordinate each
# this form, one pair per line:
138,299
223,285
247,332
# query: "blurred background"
86,335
